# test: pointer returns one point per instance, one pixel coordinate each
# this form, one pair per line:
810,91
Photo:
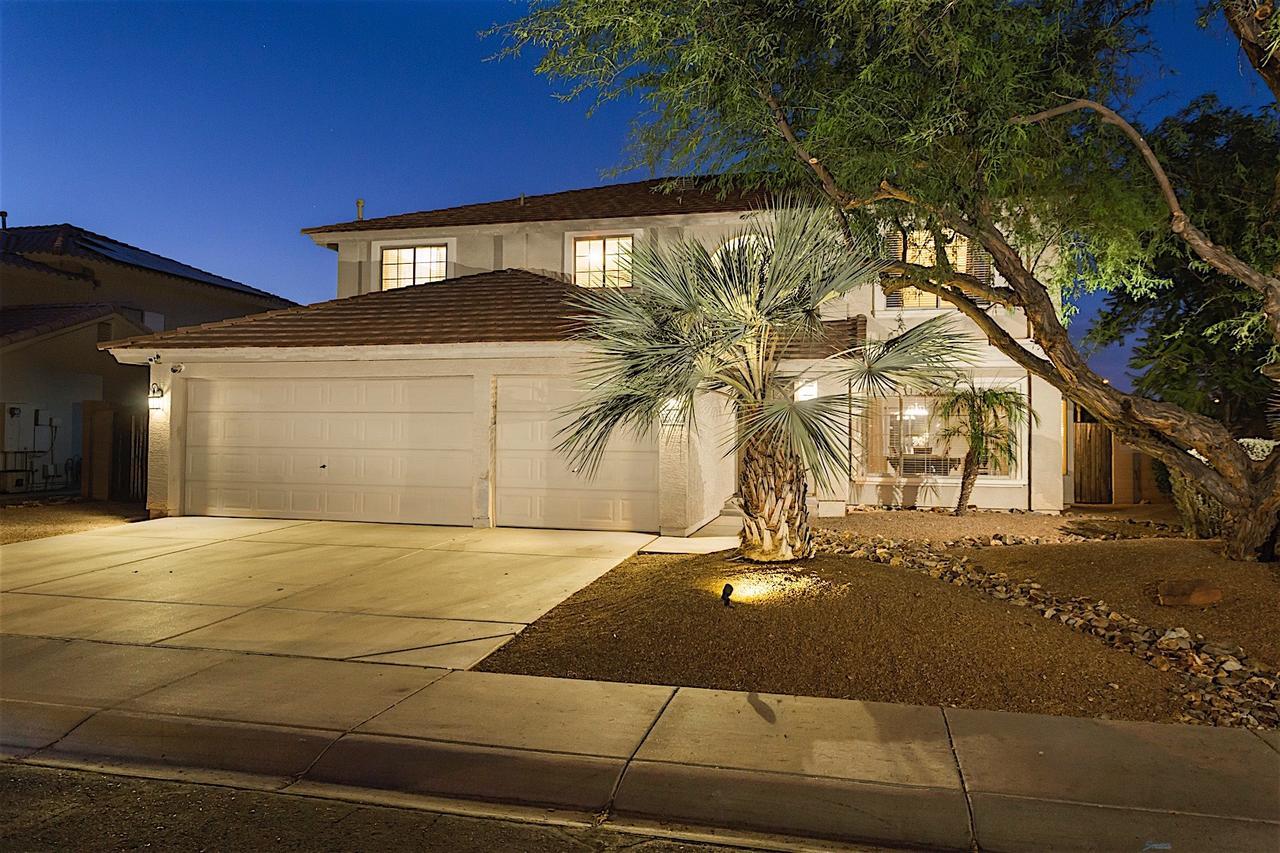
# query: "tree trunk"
968,477
773,488
1252,532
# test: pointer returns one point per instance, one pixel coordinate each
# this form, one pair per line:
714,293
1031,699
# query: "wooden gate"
1093,464
129,456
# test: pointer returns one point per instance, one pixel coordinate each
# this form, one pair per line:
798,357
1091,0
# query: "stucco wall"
541,247
1042,483
59,373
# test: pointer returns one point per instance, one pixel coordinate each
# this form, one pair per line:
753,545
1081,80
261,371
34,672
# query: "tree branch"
1219,257
1250,30
783,124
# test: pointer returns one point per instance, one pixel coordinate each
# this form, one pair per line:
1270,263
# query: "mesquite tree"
994,120
723,321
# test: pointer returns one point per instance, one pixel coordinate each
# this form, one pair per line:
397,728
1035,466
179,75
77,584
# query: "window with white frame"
406,265
917,247
906,441
603,261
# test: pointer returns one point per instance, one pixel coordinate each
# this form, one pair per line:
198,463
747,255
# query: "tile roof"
13,259
71,240
506,305
22,322
639,198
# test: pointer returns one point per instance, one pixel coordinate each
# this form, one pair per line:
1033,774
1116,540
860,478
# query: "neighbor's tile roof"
640,198
71,240
13,259
21,322
506,305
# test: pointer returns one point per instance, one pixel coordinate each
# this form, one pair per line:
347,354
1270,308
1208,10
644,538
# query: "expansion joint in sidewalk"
605,813
964,786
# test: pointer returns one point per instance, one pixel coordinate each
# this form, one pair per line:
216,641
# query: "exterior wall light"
807,391
155,397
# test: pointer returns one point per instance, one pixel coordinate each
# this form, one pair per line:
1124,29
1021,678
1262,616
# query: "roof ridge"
80,229
691,179
26,306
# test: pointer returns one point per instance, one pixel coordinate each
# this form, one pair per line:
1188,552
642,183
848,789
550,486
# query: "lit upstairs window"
917,247
602,261
406,265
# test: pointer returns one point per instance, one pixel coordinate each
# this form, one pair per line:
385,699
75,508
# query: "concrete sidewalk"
637,754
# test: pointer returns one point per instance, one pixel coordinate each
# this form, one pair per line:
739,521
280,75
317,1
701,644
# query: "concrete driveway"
386,593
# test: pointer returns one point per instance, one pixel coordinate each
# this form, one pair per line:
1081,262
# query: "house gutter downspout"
1030,434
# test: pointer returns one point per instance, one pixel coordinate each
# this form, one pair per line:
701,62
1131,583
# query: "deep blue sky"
213,132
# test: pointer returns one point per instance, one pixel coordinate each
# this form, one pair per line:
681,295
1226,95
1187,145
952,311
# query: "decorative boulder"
1194,593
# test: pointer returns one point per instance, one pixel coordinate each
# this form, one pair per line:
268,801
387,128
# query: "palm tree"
989,420
698,321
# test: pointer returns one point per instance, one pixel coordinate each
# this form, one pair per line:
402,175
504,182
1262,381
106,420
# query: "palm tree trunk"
968,477
773,488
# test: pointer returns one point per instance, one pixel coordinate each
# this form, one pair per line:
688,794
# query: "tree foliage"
992,119
1202,335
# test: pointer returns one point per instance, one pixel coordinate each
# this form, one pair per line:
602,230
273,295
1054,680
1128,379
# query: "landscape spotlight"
725,593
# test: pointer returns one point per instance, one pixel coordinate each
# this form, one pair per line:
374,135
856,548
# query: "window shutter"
978,265
894,250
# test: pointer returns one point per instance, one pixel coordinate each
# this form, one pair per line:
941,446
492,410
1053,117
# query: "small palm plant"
989,420
698,321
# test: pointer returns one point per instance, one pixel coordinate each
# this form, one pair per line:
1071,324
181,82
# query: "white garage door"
536,488
384,449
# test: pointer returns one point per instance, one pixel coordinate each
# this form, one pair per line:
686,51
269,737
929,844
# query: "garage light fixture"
155,397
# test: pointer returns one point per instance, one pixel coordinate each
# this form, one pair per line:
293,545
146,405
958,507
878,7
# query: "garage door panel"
439,431
624,471
538,508
351,449
264,465
537,487
437,394
535,431
439,505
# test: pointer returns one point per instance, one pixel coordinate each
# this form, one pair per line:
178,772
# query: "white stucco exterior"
695,474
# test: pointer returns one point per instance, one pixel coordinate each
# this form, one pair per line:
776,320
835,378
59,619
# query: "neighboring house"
432,389
72,415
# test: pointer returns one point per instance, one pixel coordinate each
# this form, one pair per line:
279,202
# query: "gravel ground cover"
980,526
837,627
1125,575
942,611
19,522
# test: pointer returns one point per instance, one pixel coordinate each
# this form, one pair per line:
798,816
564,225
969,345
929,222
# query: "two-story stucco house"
431,389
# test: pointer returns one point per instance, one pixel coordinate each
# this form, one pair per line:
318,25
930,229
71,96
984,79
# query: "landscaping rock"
1195,593
1222,686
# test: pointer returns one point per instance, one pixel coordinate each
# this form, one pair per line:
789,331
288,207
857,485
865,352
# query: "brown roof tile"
22,322
640,198
506,305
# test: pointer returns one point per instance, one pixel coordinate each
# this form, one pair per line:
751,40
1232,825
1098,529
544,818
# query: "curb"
688,795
